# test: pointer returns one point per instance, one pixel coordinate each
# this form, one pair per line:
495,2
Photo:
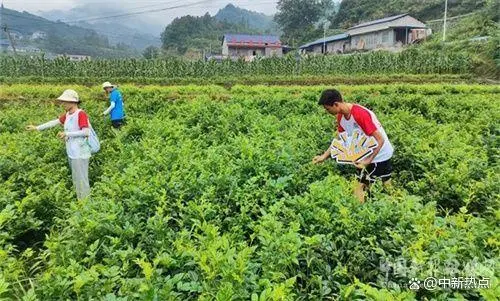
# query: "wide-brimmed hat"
107,85
69,96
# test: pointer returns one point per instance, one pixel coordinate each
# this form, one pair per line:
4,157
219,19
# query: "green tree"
94,39
179,34
190,32
352,12
122,46
151,52
297,18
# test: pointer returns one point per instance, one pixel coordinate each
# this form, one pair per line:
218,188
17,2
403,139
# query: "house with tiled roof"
250,46
333,44
387,33
391,33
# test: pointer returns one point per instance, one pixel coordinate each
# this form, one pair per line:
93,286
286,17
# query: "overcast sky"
34,6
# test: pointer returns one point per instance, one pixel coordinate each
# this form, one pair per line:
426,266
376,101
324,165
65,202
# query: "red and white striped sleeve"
364,119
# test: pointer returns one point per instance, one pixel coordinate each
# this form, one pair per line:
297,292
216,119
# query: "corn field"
410,61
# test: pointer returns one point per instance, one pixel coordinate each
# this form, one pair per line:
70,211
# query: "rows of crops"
409,62
209,193
229,81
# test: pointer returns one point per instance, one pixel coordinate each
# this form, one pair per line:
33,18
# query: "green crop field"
209,193
411,61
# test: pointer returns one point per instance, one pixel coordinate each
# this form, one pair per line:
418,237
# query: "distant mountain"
118,33
59,37
26,24
140,23
250,19
142,31
204,33
136,32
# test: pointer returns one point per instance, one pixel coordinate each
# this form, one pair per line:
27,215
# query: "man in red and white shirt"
351,117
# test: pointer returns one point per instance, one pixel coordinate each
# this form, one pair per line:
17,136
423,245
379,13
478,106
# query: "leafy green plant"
208,193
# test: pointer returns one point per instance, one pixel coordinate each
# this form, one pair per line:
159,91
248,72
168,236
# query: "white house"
28,49
16,34
250,46
390,33
75,57
39,35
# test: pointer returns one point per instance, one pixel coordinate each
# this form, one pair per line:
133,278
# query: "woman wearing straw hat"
76,131
115,109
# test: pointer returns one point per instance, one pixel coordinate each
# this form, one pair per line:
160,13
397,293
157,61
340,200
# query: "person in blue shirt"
115,109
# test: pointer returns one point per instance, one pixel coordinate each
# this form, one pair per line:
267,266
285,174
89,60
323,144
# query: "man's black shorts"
117,123
381,170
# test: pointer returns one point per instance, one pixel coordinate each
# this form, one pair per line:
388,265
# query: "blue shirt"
117,112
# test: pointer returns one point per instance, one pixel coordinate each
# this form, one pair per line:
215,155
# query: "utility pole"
6,30
444,21
324,39
325,26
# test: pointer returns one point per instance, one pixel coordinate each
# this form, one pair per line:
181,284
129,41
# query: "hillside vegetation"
61,38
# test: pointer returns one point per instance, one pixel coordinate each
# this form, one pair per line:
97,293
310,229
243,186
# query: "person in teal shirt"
115,109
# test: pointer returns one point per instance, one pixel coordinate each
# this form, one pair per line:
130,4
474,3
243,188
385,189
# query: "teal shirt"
118,111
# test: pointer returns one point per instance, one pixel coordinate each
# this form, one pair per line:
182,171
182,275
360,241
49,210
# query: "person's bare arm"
380,142
321,158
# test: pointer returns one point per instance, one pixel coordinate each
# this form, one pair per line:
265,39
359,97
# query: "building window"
369,39
385,37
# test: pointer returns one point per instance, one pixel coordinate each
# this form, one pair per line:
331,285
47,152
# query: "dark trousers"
118,123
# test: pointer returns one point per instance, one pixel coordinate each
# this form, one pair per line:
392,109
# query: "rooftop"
378,21
254,39
337,37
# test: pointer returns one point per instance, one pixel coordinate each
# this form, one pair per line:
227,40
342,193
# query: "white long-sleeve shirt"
111,107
